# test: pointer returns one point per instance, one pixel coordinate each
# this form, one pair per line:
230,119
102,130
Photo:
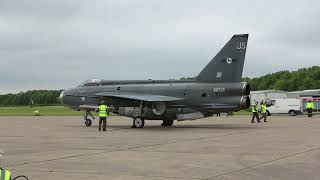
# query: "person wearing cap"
103,114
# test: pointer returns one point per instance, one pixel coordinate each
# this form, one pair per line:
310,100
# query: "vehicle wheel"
292,113
138,123
268,113
88,122
167,123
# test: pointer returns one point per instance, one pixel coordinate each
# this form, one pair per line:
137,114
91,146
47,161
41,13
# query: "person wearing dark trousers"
264,111
310,107
103,114
255,114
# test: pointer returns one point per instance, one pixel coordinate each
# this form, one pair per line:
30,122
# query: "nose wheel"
87,120
138,123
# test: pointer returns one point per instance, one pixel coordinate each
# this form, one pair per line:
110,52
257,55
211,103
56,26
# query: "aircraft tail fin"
227,65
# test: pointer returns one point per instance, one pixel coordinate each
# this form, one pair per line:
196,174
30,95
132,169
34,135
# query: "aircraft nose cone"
60,98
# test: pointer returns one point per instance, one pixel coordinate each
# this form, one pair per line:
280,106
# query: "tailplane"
227,65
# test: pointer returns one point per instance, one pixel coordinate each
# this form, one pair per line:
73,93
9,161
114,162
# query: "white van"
285,106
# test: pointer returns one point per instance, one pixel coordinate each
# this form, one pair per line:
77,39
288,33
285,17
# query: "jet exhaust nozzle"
246,89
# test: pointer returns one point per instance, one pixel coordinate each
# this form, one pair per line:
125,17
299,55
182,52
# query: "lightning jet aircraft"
218,88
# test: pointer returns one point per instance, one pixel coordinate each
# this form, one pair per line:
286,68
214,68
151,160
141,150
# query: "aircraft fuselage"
206,98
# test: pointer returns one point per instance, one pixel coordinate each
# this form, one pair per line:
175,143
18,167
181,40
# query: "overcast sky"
60,43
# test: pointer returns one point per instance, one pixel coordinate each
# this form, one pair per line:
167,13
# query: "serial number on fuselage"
219,90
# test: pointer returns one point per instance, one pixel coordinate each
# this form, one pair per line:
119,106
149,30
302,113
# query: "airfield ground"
213,148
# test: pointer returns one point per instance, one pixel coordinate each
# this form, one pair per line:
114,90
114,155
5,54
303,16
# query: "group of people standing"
255,112
263,110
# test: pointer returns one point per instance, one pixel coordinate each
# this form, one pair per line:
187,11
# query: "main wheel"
167,123
88,122
138,123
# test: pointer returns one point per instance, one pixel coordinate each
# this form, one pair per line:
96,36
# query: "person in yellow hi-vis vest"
255,112
5,174
310,107
264,111
103,115
36,113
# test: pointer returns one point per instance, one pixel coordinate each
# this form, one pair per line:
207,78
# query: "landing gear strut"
87,120
167,123
138,122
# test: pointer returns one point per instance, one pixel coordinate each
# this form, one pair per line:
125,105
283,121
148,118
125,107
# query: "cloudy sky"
60,43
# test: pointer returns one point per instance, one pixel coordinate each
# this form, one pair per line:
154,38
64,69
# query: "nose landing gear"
87,120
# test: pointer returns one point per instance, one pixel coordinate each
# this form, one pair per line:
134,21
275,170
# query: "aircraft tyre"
167,123
138,123
88,122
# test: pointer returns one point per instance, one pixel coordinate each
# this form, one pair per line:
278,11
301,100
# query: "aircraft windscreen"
91,82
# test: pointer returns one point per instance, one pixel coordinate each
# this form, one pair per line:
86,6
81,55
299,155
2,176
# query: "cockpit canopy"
91,82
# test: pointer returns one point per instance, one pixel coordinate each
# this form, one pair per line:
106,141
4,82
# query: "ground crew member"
310,108
264,111
103,114
5,174
255,112
36,113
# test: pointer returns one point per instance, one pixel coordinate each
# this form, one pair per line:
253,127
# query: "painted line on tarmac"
125,149
263,163
109,173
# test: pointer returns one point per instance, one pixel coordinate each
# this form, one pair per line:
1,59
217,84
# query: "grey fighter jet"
218,88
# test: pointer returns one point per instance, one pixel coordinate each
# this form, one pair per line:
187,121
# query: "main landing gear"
138,123
87,120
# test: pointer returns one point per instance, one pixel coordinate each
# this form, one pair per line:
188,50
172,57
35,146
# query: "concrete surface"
212,148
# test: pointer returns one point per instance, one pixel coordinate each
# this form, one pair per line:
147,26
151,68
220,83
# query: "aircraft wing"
139,97
88,107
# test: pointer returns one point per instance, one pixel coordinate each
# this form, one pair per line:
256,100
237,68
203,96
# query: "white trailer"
285,106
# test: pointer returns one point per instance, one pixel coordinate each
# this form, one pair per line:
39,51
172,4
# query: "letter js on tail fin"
227,65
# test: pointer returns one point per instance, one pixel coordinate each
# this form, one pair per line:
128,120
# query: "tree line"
32,98
302,79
